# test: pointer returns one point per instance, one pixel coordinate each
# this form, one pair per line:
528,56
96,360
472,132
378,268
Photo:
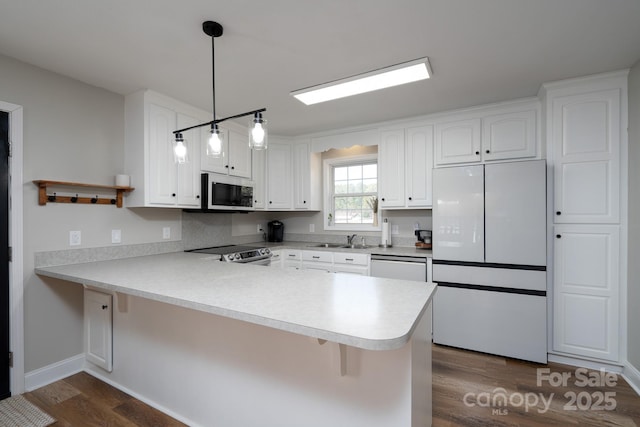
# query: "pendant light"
215,144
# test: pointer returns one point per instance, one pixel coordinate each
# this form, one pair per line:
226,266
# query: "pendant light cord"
213,75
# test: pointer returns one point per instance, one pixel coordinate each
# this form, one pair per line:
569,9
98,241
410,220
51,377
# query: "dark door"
5,385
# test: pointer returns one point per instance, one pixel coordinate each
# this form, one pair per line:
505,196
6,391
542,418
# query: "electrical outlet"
312,228
75,238
395,229
166,232
259,228
116,236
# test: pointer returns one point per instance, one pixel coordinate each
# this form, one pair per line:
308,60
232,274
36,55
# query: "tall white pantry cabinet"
586,134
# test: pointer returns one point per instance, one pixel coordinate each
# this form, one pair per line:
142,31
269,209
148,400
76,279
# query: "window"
352,191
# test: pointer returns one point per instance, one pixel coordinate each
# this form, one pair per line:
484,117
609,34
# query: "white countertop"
365,312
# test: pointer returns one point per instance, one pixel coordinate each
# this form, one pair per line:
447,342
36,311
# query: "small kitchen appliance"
275,231
423,239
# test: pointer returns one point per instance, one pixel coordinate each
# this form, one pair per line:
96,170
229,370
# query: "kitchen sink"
327,245
355,246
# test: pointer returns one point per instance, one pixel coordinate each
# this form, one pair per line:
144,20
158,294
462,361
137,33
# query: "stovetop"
236,253
222,250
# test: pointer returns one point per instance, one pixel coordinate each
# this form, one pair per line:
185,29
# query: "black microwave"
221,193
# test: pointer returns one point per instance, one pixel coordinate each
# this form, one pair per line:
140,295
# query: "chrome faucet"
350,239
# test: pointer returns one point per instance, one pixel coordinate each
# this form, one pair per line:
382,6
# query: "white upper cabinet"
150,119
419,166
236,154
307,166
585,132
405,163
391,169
458,142
279,173
509,136
259,165
495,133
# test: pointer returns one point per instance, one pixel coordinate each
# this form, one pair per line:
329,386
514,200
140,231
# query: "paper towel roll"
386,241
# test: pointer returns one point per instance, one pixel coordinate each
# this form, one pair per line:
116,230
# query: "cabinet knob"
410,198
304,201
255,201
558,213
488,151
558,236
382,199
173,194
198,196
233,167
104,307
477,153
226,166
270,202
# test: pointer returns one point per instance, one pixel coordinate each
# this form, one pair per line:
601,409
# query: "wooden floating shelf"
44,198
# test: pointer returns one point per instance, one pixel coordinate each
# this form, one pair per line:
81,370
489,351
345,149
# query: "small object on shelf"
44,198
422,245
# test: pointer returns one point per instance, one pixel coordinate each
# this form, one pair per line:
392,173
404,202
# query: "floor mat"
16,411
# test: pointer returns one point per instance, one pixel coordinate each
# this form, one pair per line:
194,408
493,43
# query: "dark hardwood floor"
467,388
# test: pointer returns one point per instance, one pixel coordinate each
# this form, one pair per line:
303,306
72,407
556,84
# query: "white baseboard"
54,372
632,376
585,363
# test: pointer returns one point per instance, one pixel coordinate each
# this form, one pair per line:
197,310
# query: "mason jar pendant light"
215,144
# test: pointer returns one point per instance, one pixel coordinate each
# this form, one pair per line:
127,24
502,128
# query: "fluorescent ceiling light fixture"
394,75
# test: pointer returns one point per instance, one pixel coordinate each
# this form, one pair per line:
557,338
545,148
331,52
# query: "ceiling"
480,51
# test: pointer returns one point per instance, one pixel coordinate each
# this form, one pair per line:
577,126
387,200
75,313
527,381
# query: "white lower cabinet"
351,263
317,260
276,259
98,328
586,290
292,259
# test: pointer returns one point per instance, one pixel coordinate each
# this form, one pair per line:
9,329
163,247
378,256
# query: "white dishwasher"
403,267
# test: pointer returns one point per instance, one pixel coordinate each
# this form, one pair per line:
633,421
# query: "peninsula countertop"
359,311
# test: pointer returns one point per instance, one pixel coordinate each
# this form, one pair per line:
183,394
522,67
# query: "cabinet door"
279,176
301,175
215,164
509,136
586,290
98,330
259,177
189,173
586,140
458,142
239,160
162,172
391,169
419,166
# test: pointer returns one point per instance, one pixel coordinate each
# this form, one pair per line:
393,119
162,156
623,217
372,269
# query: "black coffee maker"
275,231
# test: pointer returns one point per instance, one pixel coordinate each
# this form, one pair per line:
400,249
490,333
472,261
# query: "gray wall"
72,132
633,307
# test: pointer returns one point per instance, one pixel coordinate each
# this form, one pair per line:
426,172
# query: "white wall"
72,132
633,281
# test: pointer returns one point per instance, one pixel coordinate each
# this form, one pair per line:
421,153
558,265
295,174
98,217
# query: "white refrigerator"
489,258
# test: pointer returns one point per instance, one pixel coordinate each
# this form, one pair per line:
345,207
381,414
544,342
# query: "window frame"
327,205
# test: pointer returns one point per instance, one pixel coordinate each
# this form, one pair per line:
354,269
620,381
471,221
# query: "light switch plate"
395,229
166,232
116,236
312,228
